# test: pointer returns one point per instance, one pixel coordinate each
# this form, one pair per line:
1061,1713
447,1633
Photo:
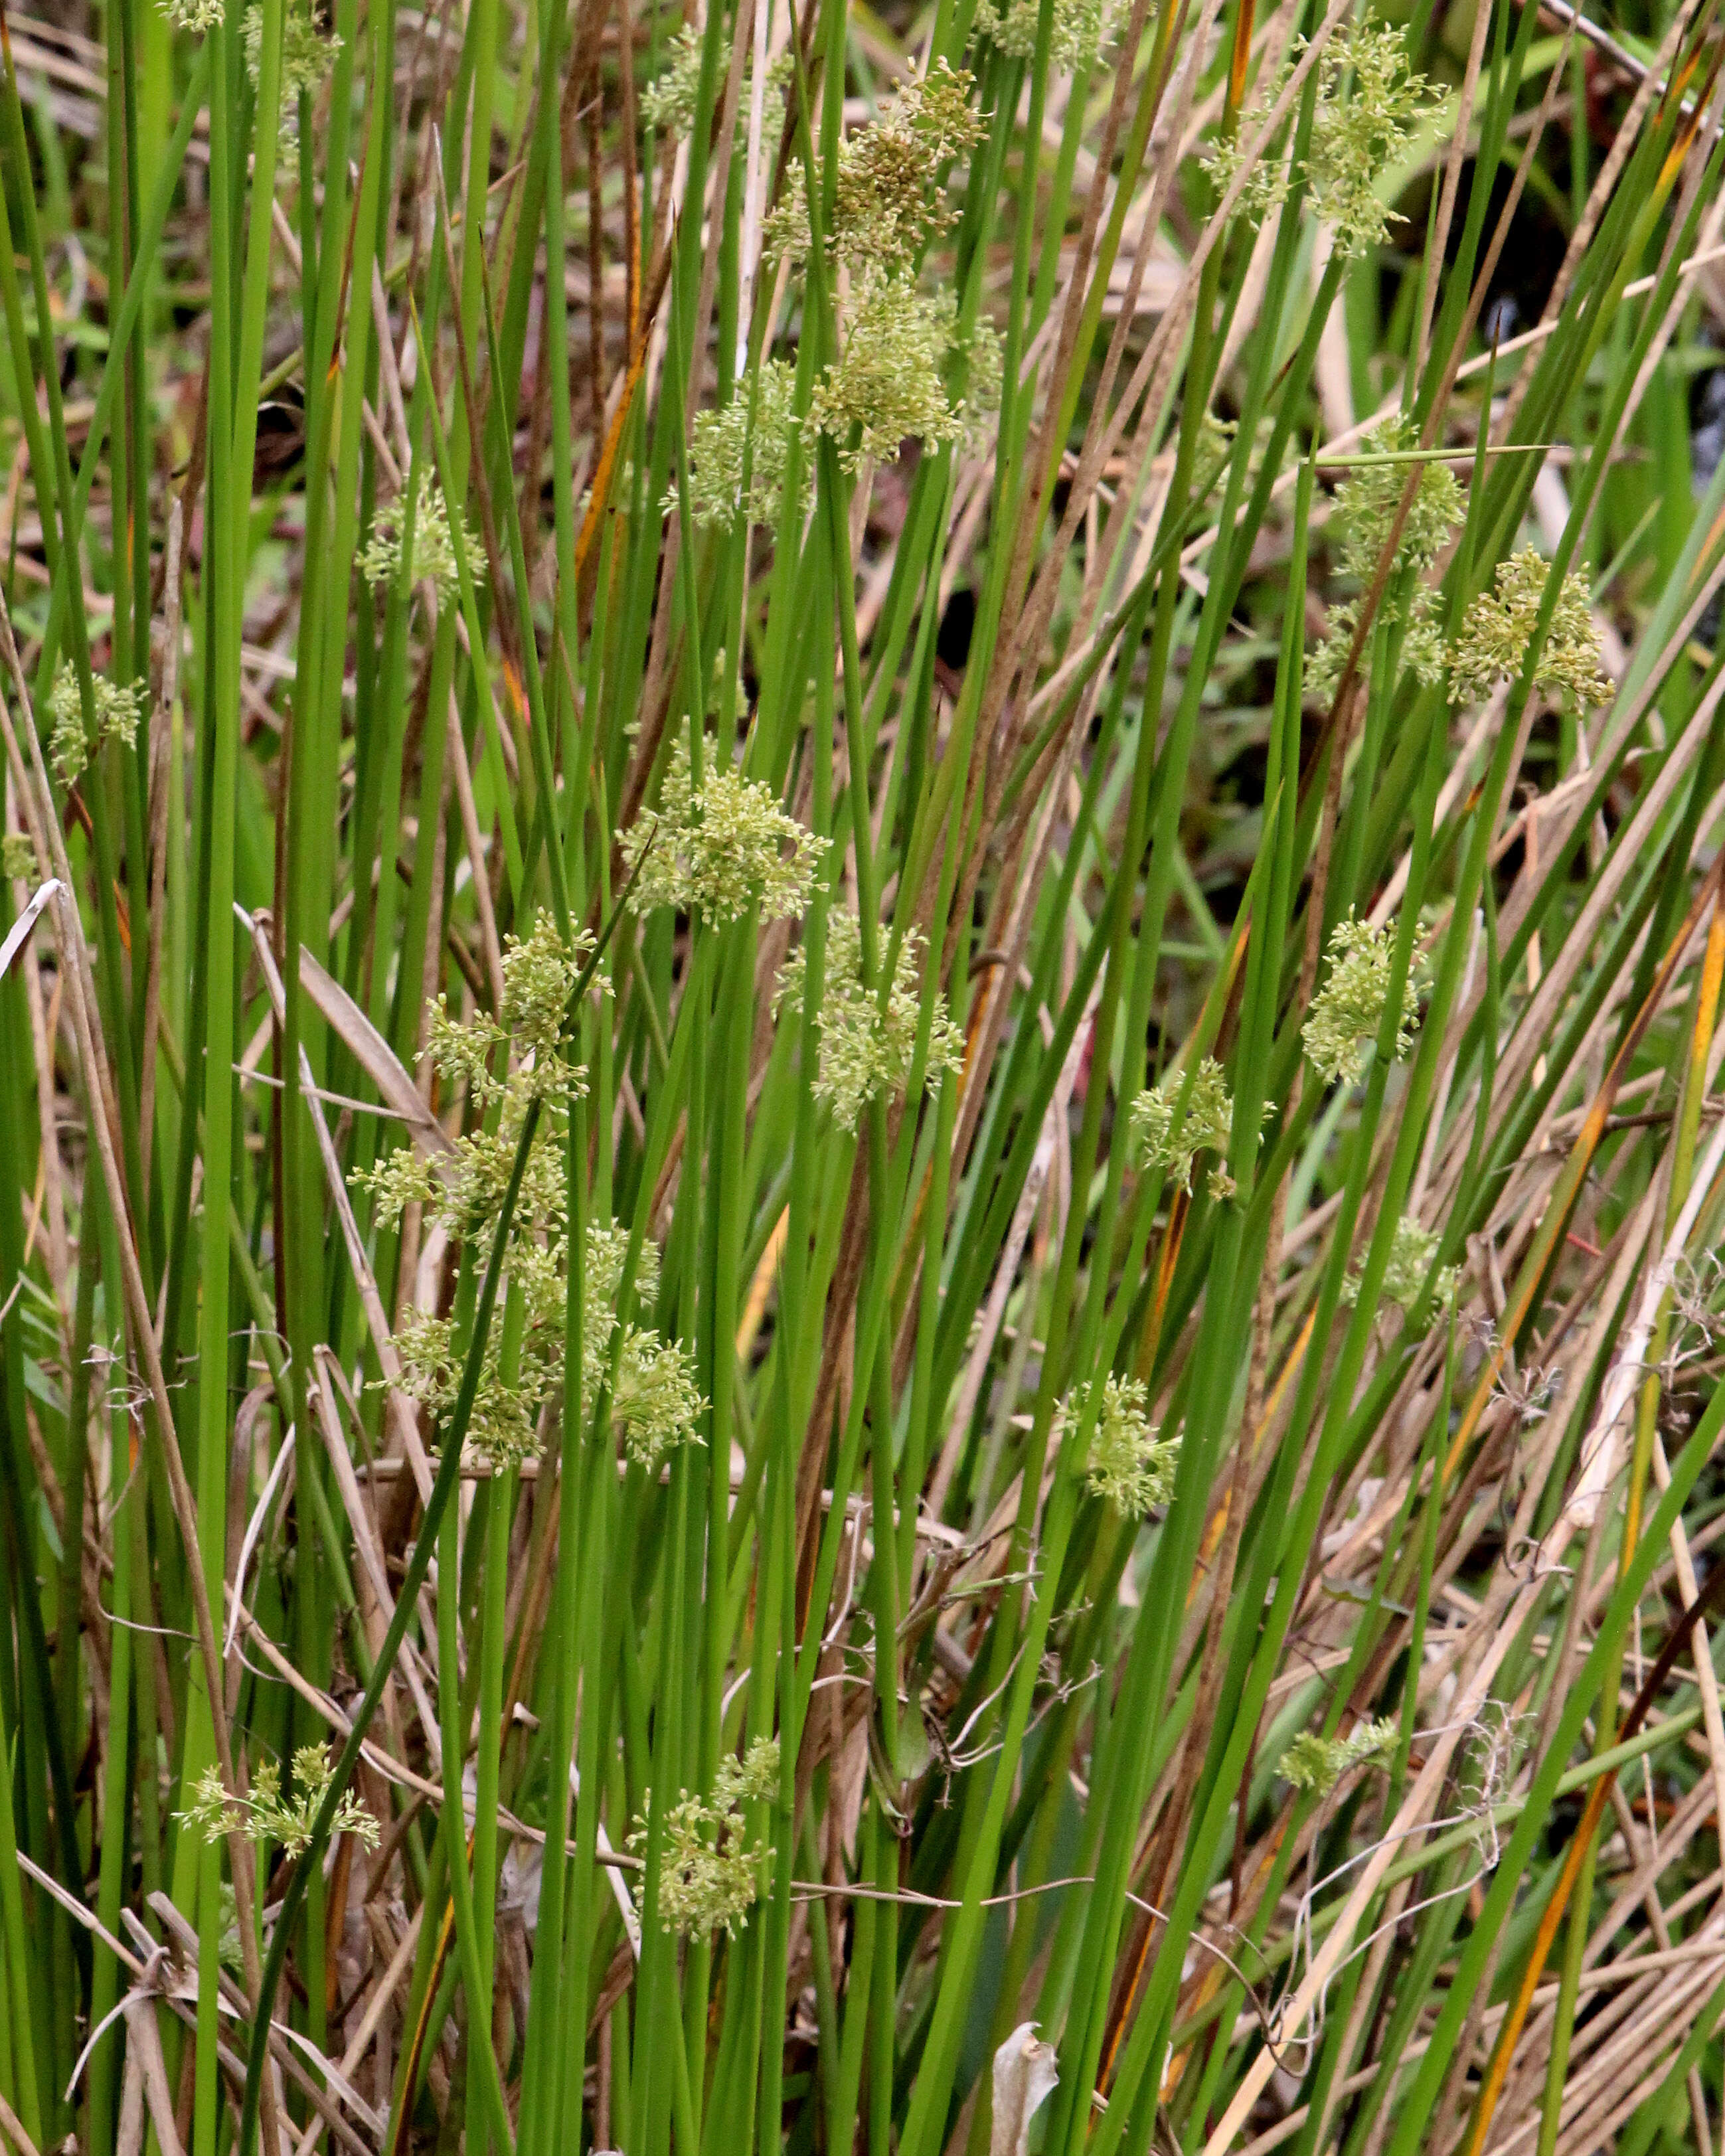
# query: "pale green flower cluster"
18,857
1411,1251
1369,103
865,1050
1315,1764
504,1068
667,102
434,545
1366,503
1129,1465
1345,1012
723,848
117,713
760,421
888,385
1082,30
196,15
708,1867
307,50
264,1814
1208,1125
1491,645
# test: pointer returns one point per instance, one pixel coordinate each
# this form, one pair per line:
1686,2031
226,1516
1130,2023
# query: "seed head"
1207,1127
725,847
264,1814
865,1050
708,1868
1498,628
1129,1465
18,857
196,15
1347,1012
307,50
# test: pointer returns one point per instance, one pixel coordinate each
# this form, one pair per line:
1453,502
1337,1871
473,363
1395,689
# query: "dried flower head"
1369,102
709,1869
887,387
1163,1139
757,426
434,545
1413,1251
865,1050
1366,505
1081,32
1345,1012
117,712
195,15
725,847
264,1814
18,857
1498,627
1316,1764
1128,1464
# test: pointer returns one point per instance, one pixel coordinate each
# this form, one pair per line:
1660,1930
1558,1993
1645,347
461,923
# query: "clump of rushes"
264,1814
1369,102
1412,1250
434,545
723,848
1366,505
1082,31
196,15
758,422
865,1049
1492,645
1315,1764
1208,1125
708,1869
1347,1010
1129,1465
117,712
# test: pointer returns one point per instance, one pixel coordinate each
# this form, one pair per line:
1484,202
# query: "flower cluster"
434,545
1366,505
708,1867
1368,104
1491,645
1316,1764
1412,1250
758,424
307,48
264,1814
888,385
667,102
18,857
1207,1125
198,15
117,713
725,847
1129,1465
1081,32
865,1049
1346,1011
504,1068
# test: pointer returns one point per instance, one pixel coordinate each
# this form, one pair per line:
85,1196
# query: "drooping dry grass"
1036,1340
